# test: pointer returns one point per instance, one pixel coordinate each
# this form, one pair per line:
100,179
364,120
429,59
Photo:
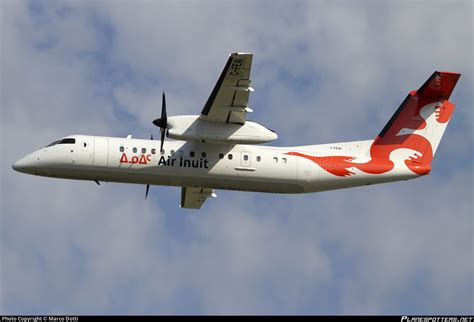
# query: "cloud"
322,72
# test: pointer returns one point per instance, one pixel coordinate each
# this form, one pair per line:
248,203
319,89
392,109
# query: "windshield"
52,143
63,141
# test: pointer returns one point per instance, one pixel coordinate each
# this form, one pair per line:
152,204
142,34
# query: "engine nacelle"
193,128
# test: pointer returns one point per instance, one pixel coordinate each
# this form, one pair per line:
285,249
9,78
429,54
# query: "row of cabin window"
259,158
153,151
135,150
181,153
203,154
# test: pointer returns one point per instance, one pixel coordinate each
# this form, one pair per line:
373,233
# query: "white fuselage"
217,149
193,164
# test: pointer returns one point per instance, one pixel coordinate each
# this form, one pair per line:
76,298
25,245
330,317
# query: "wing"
229,99
193,198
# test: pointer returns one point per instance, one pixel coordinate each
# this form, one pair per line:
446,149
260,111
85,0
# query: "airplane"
218,149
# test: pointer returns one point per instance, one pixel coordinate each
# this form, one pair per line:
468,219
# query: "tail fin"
419,122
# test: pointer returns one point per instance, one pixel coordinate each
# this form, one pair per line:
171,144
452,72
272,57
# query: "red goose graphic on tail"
418,125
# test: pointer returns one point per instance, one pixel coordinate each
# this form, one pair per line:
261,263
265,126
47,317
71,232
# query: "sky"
323,71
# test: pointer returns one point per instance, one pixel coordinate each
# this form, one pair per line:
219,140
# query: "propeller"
162,122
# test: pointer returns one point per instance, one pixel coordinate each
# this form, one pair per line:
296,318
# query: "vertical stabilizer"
420,121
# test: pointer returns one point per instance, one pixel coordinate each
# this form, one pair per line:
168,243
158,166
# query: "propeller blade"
162,122
162,130
163,108
147,189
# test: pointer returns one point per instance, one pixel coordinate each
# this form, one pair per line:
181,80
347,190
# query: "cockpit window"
63,141
52,143
67,141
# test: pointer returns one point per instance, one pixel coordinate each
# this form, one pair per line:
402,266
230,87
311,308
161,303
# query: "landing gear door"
245,159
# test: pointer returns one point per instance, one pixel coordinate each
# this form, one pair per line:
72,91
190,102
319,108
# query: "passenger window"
275,159
122,149
191,154
259,158
246,157
172,152
84,144
143,150
284,160
203,154
134,150
162,152
229,156
221,155
153,151
181,153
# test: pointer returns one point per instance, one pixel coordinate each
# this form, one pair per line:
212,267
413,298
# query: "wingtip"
240,53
